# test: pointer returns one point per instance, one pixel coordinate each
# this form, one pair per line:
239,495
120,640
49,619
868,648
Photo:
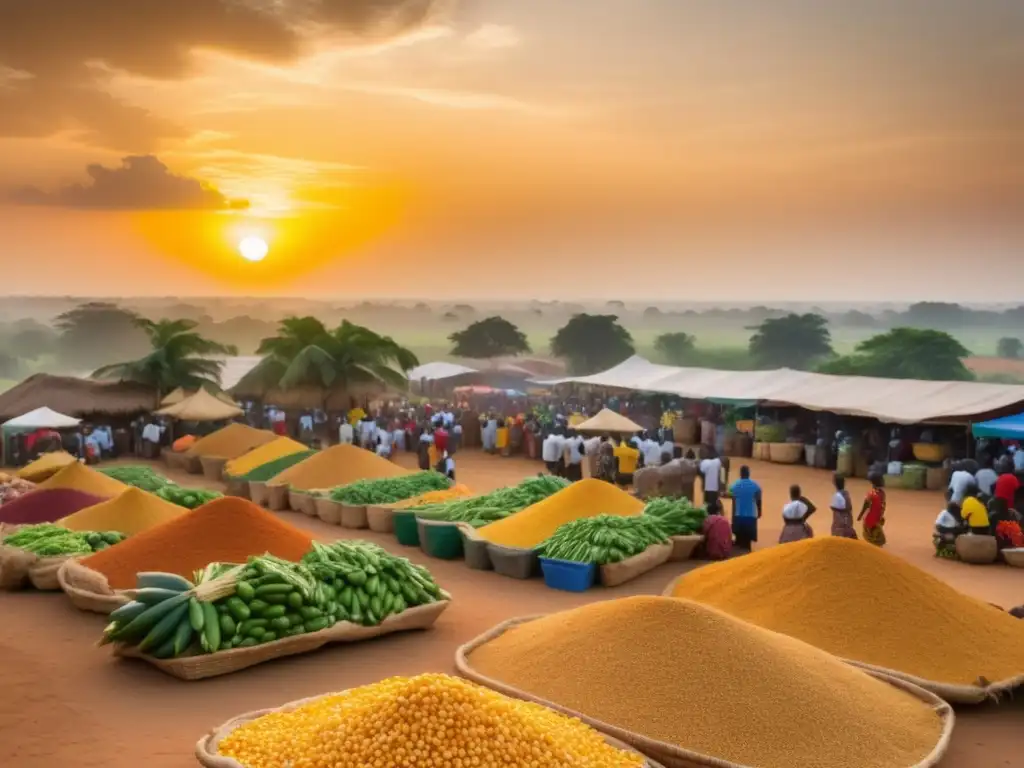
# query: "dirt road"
67,703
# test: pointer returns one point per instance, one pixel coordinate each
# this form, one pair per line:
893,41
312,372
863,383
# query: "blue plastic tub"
567,575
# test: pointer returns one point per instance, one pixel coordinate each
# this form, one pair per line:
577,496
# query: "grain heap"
679,672
338,465
275,449
45,466
271,469
890,615
431,719
79,477
538,522
457,491
131,512
230,442
46,506
227,530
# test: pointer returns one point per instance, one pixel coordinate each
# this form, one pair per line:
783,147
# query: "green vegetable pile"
603,539
271,469
478,511
48,540
678,517
269,599
388,490
140,476
189,498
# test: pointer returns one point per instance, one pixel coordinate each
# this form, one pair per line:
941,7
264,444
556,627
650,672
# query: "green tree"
592,343
793,341
178,357
305,353
30,340
906,353
491,337
97,333
1009,347
676,348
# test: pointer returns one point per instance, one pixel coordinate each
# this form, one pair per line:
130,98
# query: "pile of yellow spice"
430,719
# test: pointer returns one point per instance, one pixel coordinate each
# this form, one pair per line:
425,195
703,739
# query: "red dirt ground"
67,703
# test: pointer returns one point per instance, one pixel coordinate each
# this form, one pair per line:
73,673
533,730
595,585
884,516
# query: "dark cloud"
54,45
140,183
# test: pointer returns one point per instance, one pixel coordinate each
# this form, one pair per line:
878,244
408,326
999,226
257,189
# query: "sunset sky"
728,149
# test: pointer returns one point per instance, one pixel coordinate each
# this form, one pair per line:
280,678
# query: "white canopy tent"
42,418
438,371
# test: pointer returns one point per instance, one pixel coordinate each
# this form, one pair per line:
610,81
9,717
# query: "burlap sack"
647,483
667,754
381,518
328,510
89,590
353,516
43,573
977,550
14,567
683,547
614,574
235,659
206,748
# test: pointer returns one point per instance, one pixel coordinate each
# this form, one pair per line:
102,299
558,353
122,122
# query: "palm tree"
179,358
306,354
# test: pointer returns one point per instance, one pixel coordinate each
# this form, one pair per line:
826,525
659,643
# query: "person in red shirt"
874,509
441,440
1006,488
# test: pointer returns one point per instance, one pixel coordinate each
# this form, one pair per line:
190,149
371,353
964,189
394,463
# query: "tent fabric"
438,371
1008,428
202,406
42,418
608,421
899,401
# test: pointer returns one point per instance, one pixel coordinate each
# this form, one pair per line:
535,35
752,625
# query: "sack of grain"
88,590
977,550
43,573
14,567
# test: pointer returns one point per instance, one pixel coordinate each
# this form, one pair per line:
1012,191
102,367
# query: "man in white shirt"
651,450
448,418
711,472
667,447
367,431
573,457
383,440
551,451
1018,460
345,433
959,482
397,438
985,478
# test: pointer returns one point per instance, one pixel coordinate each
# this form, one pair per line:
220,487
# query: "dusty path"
67,703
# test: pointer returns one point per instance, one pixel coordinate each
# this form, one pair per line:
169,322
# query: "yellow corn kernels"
428,720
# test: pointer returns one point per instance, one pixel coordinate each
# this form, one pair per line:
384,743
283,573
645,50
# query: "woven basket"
43,573
328,510
977,550
353,516
235,659
381,518
1014,557
761,452
302,501
277,497
213,467
89,590
785,453
671,755
614,574
683,547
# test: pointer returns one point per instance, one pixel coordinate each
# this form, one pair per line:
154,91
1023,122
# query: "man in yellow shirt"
626,457
973,512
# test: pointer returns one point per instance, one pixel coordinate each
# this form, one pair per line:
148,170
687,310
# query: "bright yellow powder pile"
79,477
861,603
132,512
230,442
429,720
257,457
45,466
339,465
587,498
457,491
684,674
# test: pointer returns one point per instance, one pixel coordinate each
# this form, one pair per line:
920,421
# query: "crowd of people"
981,503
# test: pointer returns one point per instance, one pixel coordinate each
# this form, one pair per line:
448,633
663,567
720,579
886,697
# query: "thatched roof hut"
83,398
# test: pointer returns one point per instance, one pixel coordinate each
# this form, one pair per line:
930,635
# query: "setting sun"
253,248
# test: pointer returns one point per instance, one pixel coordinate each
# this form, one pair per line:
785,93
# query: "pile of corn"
230,442
859,602
679,672
257,457
426,720
433,497
45,466
538,522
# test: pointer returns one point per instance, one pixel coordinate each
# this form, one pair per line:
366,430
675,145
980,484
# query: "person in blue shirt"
746,509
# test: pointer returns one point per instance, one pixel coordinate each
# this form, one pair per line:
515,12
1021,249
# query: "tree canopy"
179,357
592,343
906,353
491,337
99,332
1010,347
676,348
793,341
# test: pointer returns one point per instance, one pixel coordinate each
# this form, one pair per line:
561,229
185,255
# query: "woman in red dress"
873,513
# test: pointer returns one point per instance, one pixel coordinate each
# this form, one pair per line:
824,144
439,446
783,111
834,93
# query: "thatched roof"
76,397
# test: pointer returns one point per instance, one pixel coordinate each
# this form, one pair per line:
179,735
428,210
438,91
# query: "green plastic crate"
406,530
441,540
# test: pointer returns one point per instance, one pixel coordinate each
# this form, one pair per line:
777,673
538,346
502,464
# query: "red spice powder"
47,505
226,530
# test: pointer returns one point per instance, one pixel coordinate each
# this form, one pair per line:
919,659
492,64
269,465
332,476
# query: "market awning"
609,421
202,406
1008,427
42,418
